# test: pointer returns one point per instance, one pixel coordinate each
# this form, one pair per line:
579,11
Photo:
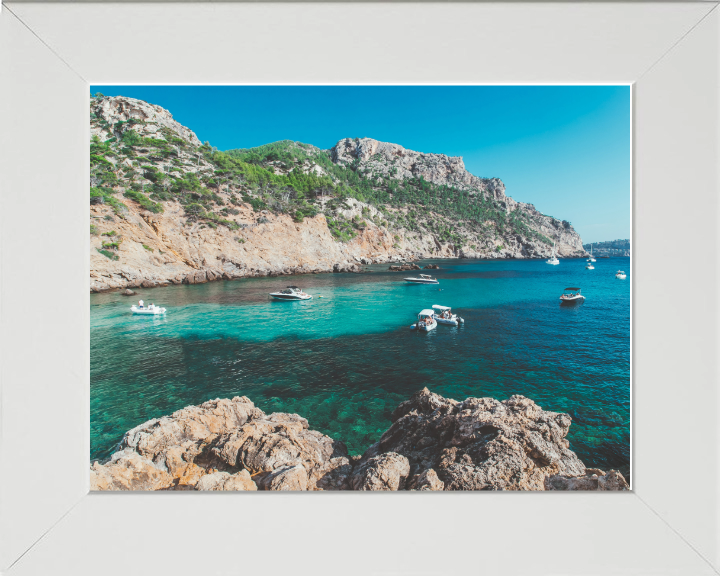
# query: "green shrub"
111,245
93,230
144,201
147,248
109,254
111,233
240,240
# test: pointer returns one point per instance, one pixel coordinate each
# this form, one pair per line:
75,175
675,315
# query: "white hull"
620,276
573,299
452,322
554,262
153,312
589,267
421,281
425,327
290,297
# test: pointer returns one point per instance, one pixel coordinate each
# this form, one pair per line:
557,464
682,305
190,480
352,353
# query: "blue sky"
565,149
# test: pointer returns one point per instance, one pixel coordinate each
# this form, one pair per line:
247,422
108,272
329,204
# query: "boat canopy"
424,276
618,272
294,287
426,313
438,307
571,288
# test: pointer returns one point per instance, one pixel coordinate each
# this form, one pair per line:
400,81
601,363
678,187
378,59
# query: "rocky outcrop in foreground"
434,444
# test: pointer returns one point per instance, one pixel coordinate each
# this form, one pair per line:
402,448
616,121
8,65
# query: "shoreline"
433,444
210,275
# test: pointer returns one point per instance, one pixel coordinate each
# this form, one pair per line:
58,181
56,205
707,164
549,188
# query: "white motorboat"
589,266
291,293
620,275
426,321
445,316
152,309
422,279
571,296
553,259
592,258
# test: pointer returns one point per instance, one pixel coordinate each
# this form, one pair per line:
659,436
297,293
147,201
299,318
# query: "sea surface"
347,358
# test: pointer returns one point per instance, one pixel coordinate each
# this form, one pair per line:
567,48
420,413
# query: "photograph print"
368,288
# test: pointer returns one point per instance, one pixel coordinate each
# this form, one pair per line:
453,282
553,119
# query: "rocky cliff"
165,208
434,444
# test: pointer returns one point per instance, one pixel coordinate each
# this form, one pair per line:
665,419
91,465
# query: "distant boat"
571,296
620,275
589,266
591,259
291,293
553,259
422,279
152,309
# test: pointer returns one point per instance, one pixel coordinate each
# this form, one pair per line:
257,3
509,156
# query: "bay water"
345,359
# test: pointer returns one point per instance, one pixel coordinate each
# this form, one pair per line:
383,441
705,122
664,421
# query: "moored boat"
620,275
589,266
422,279
445,316
571,296
426,321
140,308
553,259
291,293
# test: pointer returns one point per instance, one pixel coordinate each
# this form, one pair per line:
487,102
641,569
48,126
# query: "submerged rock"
434,444
128,292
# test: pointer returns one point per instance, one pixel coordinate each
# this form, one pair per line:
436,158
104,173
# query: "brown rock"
128,471
384,472
240,481
286,478
593,479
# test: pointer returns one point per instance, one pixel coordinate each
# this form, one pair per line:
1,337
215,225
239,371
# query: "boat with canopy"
426,321
445,316
571,295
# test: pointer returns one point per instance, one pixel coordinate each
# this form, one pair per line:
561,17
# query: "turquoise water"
346,360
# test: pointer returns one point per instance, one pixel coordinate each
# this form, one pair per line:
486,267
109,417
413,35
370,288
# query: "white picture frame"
50,53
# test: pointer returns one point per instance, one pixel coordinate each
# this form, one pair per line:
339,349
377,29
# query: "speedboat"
152,309
589,266
291,293
422,279
571,295
620,275
445,316
553,259
426,321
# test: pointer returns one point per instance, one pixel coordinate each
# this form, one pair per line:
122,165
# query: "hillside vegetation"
144,163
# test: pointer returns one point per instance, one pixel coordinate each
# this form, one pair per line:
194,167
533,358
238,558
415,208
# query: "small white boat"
591,259
589,266
422,279
445,316
571,296
553,259
152,309
426,321
291,293
620,275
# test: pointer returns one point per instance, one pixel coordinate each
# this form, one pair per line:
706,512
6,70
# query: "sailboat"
553,260
591,259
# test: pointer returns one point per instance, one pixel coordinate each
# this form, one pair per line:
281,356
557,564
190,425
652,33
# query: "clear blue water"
346,360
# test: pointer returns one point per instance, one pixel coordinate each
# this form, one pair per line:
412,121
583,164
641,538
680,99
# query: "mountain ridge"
166,208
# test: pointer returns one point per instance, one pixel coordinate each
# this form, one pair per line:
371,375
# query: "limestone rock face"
481,443
172,247
240,481
384,472
434,444
593,479
128,471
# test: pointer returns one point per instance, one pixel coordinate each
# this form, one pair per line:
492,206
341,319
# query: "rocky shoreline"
433,444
